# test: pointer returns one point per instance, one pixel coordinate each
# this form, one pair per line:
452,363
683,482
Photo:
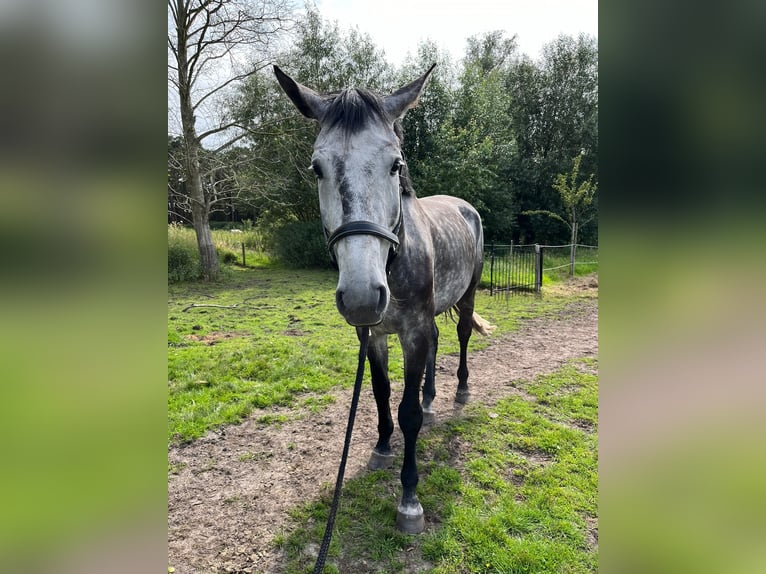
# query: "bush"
183,257
300,244
227,257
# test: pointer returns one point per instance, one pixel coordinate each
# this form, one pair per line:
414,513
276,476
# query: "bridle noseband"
367,228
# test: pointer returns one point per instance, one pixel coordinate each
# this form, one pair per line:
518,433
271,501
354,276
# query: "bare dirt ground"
233,488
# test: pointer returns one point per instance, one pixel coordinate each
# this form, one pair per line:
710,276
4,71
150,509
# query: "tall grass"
183,255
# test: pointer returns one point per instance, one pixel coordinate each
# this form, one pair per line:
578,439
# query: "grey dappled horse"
401,260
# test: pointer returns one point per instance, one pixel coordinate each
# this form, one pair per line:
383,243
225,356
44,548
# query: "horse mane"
404,175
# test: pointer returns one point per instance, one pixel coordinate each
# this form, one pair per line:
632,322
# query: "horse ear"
308,102
406,98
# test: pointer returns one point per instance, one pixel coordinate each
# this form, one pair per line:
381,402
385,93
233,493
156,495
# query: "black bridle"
367,228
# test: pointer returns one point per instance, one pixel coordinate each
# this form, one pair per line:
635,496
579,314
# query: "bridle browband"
367,228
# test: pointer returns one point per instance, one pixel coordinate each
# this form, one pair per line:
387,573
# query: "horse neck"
414,252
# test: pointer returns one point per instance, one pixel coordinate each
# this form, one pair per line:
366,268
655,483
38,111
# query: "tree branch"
222,128
549,214
217,89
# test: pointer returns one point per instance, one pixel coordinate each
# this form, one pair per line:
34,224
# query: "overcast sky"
398,26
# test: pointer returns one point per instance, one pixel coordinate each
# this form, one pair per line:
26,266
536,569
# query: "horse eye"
397,166
316,169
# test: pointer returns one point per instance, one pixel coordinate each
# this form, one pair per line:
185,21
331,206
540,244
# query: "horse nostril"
382,300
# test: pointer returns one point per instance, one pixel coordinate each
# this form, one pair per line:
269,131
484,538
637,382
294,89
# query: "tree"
463,150
577,200
554,116
209,44
422,148
279,139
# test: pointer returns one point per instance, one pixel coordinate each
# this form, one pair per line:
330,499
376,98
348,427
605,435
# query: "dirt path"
234,486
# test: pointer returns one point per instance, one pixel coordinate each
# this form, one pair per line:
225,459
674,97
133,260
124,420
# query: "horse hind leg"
464,329
429,387
382,456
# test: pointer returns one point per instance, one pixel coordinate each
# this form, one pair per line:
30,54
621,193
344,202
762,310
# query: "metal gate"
514,268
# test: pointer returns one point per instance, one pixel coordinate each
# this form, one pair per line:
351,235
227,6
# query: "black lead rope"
364,333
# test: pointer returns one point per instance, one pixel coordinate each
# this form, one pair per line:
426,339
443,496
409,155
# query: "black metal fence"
515,268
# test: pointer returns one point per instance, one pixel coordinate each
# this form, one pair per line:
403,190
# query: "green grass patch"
510,490
556,263
271,336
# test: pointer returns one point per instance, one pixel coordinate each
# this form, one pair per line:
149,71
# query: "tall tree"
463,146
210,45
554,115
280,139
422,124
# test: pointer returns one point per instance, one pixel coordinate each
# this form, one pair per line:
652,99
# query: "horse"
401,260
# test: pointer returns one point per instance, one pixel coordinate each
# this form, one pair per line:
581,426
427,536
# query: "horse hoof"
429,417
462,397
379,461
410,519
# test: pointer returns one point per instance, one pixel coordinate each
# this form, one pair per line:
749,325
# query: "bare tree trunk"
200,206
200,217
573,248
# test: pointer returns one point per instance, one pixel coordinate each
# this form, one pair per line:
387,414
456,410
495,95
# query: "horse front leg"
429,386
416,348
377,352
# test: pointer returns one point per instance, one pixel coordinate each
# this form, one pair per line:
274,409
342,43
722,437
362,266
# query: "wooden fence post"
538,267
244,264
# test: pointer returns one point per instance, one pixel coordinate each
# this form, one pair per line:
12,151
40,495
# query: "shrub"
183,257
299,244
227,257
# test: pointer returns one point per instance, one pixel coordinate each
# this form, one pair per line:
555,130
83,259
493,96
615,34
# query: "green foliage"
299,245
494,129
227,257
554,117
576,199
575,196
183,256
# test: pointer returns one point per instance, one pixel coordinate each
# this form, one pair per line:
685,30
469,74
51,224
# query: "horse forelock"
353,109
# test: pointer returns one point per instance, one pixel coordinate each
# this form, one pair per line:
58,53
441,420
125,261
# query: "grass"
556,262
183,257
272,337
511,489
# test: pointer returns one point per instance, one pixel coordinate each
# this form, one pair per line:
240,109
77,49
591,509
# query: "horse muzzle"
362,307
362,295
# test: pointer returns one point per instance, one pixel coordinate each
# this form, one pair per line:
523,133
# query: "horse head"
357,161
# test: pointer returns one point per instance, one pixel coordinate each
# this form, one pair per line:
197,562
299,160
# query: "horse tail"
478,323
481,325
